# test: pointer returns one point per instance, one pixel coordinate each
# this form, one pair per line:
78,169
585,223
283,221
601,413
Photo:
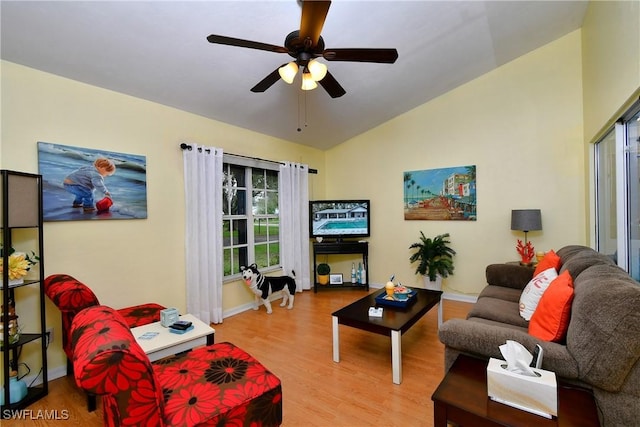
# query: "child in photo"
84,181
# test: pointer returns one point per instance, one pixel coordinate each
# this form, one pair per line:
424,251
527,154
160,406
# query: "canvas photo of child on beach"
90,184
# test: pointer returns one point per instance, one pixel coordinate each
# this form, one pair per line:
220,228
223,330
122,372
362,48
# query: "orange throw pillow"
550,260
550,321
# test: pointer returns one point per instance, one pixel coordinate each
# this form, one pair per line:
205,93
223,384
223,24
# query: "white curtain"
294,222
203,240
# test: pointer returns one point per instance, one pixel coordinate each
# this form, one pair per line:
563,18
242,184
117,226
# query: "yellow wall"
611,60
521,125
125,262
610,73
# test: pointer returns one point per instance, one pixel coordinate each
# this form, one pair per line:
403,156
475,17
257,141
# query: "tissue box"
168,316
538,395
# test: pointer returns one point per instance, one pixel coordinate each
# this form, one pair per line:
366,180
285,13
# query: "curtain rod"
188,147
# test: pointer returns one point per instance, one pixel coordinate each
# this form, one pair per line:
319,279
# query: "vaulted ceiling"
157,50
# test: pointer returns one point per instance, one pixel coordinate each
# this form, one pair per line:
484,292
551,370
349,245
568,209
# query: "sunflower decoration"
19,264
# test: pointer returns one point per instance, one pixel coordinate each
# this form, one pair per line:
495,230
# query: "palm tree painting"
440,194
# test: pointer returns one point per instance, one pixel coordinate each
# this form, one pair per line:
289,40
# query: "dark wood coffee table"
394,322
462,399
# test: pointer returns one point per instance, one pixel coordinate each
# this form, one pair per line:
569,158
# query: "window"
251,231
617,185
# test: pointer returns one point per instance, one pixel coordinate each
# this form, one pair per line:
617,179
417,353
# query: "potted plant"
323,271
434,258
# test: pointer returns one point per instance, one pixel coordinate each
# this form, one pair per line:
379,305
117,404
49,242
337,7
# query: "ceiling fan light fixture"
317,69
305,45
288,72
307,81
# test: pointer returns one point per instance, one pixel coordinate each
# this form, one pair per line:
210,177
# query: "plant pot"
436,285
323,279
18,389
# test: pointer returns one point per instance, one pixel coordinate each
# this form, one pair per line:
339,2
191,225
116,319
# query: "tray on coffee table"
387,301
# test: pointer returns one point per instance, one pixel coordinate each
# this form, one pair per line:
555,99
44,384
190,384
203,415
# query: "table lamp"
526,220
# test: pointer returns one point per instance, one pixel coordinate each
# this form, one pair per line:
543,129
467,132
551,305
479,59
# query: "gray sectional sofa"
602,348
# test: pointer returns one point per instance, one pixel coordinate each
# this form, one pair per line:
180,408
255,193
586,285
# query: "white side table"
166,343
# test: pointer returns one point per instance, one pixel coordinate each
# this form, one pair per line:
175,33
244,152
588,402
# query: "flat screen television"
339,219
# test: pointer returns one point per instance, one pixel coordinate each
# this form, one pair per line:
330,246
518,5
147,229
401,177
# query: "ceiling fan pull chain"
298,116
304,112
305,108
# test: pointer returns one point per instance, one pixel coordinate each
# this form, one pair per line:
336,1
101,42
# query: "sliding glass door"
617,182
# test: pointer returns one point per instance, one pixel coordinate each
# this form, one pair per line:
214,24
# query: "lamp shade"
317,69
307,81
288,72
526,219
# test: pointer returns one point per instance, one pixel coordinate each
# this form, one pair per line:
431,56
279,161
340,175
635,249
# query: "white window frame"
248,164
622,205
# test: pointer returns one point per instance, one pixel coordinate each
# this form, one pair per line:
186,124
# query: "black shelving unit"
21,210
341,248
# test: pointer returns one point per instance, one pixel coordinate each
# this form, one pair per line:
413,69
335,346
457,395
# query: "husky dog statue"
264,286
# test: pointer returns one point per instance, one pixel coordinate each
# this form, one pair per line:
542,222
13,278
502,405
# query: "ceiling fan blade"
313,15
386,56
331,85
267,82
246,43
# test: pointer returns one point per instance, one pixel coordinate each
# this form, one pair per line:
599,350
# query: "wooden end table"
462,398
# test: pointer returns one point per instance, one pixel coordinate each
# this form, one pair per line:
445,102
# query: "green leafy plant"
433,256
32,259
323,269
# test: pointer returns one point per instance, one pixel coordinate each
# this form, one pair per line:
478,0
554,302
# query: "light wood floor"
297,346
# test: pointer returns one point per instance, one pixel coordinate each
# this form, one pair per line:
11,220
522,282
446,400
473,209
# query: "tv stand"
341,247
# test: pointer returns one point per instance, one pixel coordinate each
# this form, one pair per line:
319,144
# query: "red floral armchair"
72,296
216,385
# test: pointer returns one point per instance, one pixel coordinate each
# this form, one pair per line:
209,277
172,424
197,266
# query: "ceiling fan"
305,45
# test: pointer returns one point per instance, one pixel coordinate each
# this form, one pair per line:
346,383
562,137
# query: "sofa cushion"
550,321
568,252
498,310
508,275
500,292
533,292
482,337
550,260
605,325
580,261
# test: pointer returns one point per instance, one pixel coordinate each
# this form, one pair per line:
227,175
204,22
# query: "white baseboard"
447,295
460,297
35,379
237,310
249,306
